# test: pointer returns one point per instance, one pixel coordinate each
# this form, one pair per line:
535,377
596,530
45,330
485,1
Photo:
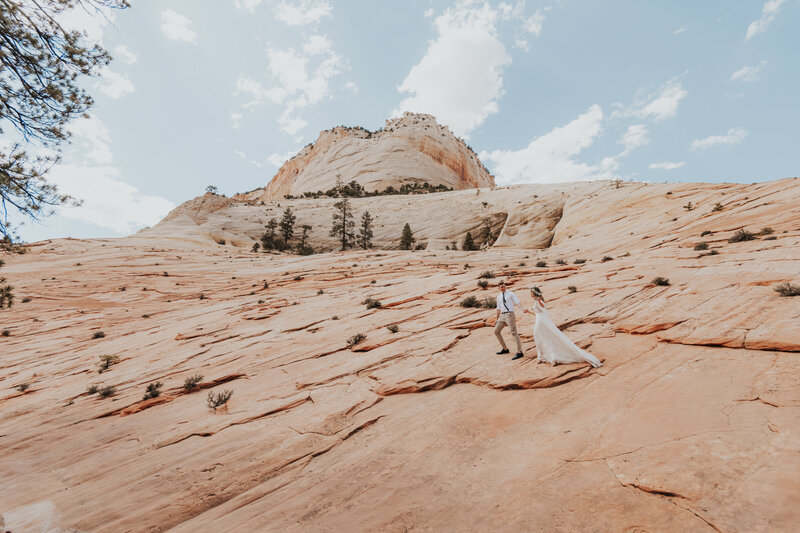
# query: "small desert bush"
470,301
487,274
522,264
107,391
22,387
26,300
106,361
660,280
356,339
92,389
606,258
393,328
541,264
771,238
742,235
98,335
335,317
764,231
706,232
5,333
561,261
320,291
717,207
689,206
192,382
298,278
371,303
787,289
373,282
153,390
579,261
701,246
482,283
572,288
219,399
488,303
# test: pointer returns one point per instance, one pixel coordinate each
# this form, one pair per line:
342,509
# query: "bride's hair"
536,292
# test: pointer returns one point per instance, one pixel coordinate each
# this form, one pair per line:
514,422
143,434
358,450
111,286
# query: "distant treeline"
356,190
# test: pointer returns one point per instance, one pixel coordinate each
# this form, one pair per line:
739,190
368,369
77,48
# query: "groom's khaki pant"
507,319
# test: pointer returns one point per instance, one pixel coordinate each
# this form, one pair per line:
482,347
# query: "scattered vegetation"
717,208
356,190
364,237
358,338
22,387
470,301
706,232
561,261
303,248
217,400
579,261
787,289
469,244
701,246
742,235
153,390
660,280
320,291
5,333
407,238
26,300
256,246
371,303
483,284
764,231
98,335
192,382
106,361
393,328
487,274
572,288
606,258
335,317
541,264
689,206
108,390
92,389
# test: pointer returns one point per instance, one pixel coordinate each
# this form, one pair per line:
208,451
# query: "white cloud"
734,136
89,175
113,84
122,52
634,137
667,165
300,12
659,105
90,22
301,79
551,157
768,13
277,160
460,77
248,6
522,44
177,27
533,24
429,13
747,73
240,154
680,30
236,120
351,86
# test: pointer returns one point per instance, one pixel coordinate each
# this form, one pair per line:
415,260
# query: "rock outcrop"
412,149
691,424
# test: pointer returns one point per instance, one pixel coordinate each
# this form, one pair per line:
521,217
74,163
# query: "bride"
553,346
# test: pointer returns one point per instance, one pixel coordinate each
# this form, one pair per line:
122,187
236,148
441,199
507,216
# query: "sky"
223,92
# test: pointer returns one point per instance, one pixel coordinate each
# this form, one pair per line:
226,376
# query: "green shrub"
22,387
717,207
320,291
482,283
92,389
393,328
371,303
358,338
541,264
579,261
706,232
660,280
572,288
701,246
98,335
742,235
192,382
106,361
488,303
787,289
470,301
107,391
606,258
561,261
153,390
488,274
219,399
764,231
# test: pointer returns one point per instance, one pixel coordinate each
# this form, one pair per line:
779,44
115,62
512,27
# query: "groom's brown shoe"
519,355
504,350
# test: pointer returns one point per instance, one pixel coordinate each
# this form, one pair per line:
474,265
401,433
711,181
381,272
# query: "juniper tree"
364,238
469,244
268,238
287,225
41,91
486,231
303,237
407,238
343,224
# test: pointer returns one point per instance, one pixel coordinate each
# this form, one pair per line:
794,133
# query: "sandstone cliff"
410,149
692,423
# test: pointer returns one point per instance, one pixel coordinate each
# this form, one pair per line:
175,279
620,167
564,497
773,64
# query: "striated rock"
412,149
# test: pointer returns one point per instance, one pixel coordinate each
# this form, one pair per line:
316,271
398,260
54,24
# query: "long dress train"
555,347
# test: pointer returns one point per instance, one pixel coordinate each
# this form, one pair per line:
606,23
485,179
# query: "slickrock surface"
692,424
410,149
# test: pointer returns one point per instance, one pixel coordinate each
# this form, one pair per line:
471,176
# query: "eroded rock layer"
412,149
692,424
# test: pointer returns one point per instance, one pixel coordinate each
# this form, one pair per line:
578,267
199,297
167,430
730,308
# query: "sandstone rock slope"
408,150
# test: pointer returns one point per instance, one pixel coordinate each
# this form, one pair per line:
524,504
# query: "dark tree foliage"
469,243
41,65
486,231
364,238
406,238
268,238
302,247
343,224
6,297
287,225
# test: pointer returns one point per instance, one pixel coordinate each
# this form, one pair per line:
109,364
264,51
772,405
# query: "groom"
505,316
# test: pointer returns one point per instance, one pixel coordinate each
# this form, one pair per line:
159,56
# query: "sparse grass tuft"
701,246
470,301
787,289
92,389
572,288
107,391
660,280
219,399
482,283
192,382
356,339
393,328
764,231
153,390
106,361
487,274
742,235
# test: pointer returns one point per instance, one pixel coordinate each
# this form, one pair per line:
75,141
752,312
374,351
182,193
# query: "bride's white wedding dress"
553,346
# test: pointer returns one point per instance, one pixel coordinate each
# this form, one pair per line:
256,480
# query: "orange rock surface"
692,424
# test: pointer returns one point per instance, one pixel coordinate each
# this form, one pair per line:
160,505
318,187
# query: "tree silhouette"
407,238
287,225
268,238
303,237
343,224
469,244
364,238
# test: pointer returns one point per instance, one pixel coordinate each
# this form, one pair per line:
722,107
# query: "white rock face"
411,149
